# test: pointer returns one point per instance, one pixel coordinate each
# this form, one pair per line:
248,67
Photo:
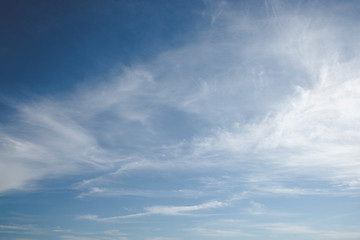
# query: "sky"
170,120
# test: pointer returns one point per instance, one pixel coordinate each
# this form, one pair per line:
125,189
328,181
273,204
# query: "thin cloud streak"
305,230
159,210
232,228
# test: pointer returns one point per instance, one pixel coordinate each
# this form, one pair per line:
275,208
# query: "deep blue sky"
55,44
169,120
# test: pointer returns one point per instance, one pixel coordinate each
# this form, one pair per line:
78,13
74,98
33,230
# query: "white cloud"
22,239
220,233
19,229
179,210
111,234
70,237
281,90
160,210
342,235
257,208
230,228
301,229
16,227
58,229
316,133
161,238
249,108
290,228
115,232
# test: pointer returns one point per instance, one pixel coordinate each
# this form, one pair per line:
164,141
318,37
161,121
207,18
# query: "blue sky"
169,120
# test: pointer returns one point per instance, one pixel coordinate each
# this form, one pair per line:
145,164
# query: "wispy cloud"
161,238
290,228
342,235
70,237
256,208
111,234
220,232
160,210
232,228
16,227
179,210
275,96
301,229
257,106
19,229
